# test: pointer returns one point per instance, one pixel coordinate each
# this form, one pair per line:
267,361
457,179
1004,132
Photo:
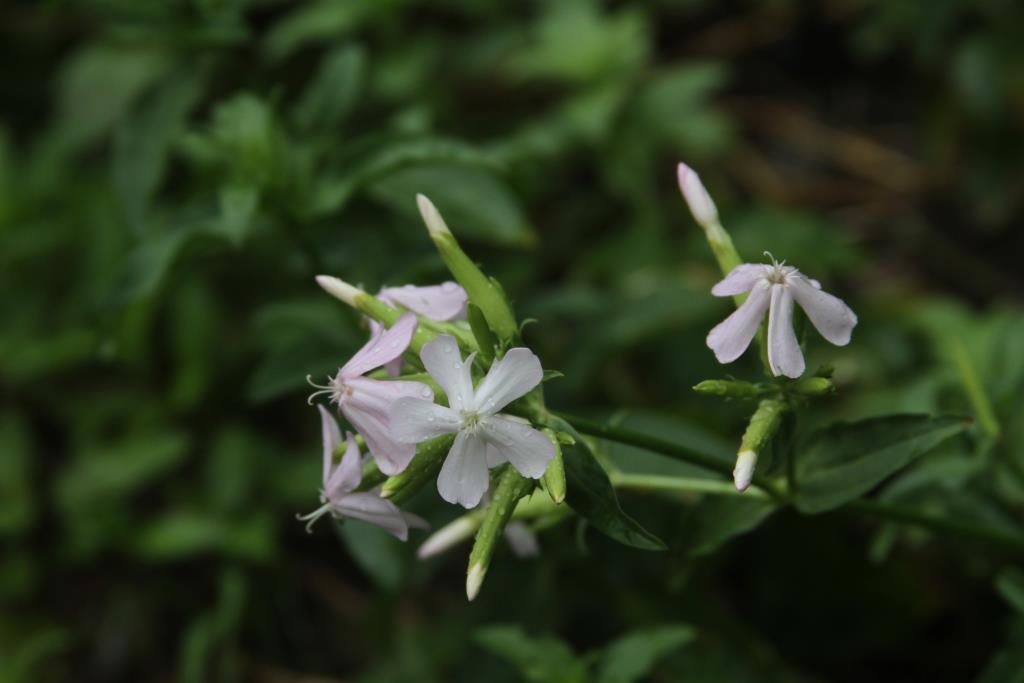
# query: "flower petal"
494,457
731,337
370,507
443,361
413,420
463,478
784,355
446,301
522,541
829,314
513,376
740,279
393,367
368,407
331,437
348,473
382,348
527,449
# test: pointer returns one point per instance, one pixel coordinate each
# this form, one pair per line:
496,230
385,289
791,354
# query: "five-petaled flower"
484,437
366,402
339,495
773,289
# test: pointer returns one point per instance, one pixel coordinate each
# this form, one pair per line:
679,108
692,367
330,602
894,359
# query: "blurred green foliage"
173,173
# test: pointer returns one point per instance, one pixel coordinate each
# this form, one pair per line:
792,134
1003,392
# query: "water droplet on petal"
425,392
456,366
448,286
446,348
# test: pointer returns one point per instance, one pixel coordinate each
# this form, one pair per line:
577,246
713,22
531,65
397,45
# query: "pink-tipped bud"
696,196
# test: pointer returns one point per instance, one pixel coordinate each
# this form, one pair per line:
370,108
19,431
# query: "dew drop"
425,392
448,286
447,349
456,366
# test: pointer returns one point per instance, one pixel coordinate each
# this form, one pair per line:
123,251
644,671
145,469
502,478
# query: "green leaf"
716,519
1010,584
474,203
17,508
631,657
591,494
238,206
377,553
539,660
99,84
185,534
118,469
847,460
321,21
212,629
142,145
1006,666
333,91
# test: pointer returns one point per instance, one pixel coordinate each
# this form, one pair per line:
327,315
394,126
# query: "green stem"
672,450
942,526
667,483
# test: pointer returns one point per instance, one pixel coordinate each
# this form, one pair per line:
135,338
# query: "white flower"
484,438
339,483
773,289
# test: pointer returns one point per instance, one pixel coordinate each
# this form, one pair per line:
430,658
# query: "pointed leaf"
847,460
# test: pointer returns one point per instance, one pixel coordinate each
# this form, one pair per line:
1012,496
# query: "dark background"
173,175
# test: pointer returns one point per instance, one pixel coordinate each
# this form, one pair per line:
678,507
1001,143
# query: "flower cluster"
460,398
475,420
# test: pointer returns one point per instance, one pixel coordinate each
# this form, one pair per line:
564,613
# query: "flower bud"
697,198
762,427
510,488
731,388
706,215
482,291
553,480
449,536
375,309
814,386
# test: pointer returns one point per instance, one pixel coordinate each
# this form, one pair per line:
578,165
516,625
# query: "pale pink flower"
772,290
484,438
339,496
366,403
442,303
